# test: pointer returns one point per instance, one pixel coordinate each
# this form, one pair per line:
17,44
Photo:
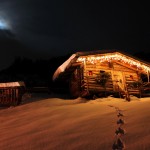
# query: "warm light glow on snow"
49,122
118,57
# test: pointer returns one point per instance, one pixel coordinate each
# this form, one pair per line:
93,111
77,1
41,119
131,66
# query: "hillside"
48,122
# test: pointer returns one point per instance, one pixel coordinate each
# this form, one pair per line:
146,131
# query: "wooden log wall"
130,75
130,79
90,80
118,66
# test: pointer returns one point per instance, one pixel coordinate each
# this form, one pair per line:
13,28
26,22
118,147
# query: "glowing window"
90,73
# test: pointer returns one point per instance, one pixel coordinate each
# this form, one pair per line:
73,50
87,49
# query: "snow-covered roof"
12,84
62,67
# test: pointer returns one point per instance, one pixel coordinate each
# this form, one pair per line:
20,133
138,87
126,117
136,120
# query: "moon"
3,24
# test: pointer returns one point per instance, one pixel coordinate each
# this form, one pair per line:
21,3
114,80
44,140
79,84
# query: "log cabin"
103,71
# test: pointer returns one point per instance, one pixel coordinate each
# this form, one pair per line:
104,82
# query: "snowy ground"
47,122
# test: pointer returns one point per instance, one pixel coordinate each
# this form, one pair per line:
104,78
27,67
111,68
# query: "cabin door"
75,82
118,81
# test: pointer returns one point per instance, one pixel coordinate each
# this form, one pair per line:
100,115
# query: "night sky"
46,28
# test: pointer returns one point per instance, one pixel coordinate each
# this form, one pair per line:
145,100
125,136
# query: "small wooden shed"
11,93
87,71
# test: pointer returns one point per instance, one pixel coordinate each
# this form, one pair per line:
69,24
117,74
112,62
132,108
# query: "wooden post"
4,96
86,76
138,84
148,75
11,92
127,95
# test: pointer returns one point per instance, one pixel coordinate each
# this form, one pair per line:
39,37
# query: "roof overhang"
116,56
102,56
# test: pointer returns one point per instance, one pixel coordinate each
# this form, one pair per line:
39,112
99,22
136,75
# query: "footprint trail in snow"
120,132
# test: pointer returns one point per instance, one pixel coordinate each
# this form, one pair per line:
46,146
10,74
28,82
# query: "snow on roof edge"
62,67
